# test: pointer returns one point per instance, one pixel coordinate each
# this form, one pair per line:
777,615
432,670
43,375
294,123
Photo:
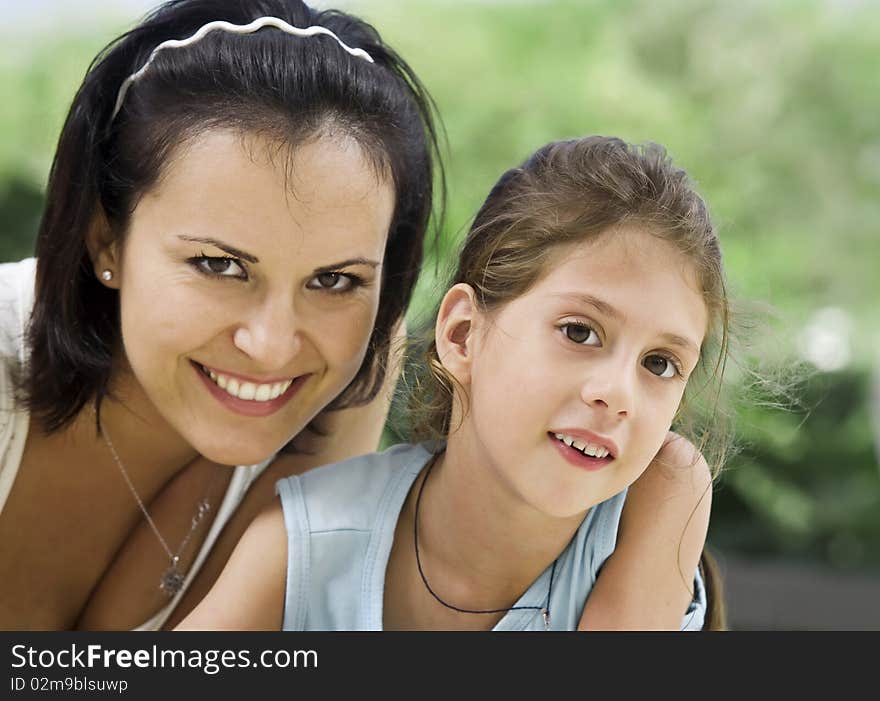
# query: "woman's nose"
270,336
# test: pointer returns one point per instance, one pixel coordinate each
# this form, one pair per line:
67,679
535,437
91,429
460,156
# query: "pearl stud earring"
107,275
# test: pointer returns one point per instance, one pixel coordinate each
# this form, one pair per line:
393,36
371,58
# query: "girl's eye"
334,282
219,267
661,366
581,334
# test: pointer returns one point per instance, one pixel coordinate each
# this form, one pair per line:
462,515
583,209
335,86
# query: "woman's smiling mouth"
259,392
248,397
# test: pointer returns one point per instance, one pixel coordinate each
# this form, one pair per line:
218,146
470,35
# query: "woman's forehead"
222,187
315,161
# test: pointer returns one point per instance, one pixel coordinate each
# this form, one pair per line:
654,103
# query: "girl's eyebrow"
231,250
603,307
680,341
598,304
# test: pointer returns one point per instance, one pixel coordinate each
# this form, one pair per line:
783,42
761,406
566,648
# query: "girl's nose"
610,387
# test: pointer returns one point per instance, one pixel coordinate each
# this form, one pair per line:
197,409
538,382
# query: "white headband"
234,29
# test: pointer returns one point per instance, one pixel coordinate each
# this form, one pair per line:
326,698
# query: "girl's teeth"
263,392
594,451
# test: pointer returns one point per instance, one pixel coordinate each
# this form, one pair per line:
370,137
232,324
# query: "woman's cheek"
358,338
362,319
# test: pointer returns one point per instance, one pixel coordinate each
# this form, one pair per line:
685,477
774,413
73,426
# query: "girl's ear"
103,249
455,331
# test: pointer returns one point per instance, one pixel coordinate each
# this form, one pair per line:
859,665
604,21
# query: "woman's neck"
478,539
150,449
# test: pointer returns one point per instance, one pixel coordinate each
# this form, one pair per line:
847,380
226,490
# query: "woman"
231,237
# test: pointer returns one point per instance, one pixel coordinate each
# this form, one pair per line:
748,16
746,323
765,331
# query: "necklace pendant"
172,580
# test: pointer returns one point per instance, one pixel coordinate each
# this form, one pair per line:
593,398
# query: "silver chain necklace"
172,579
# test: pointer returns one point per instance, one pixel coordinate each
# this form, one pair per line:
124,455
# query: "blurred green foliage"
805,483
772,108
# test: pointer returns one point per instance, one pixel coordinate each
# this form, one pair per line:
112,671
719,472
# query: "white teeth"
594,451
249,390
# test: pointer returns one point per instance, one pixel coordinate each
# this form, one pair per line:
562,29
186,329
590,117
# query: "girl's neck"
479,536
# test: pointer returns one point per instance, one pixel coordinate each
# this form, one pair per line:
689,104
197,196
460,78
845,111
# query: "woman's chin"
250,453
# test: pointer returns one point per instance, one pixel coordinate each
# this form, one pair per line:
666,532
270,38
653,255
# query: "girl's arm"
249,593
647,582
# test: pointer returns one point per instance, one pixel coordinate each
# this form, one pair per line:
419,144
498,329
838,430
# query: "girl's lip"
247,407
575,457
589,437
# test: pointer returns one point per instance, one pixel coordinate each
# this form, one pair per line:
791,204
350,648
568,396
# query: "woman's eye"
333,282
581,334
661,366
219,267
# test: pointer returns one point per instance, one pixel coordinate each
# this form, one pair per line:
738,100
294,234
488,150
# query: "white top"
16,302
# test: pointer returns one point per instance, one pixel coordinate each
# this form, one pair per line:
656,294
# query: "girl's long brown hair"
566,193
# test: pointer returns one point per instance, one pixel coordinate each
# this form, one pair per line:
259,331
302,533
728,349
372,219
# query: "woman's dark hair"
285,88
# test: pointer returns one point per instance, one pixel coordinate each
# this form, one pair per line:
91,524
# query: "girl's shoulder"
596,538
350,495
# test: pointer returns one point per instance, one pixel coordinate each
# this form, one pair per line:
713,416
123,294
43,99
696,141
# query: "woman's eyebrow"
231,250
345,263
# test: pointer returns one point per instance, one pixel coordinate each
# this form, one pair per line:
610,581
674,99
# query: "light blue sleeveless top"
340,522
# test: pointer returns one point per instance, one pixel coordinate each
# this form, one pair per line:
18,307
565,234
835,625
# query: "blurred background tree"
771,106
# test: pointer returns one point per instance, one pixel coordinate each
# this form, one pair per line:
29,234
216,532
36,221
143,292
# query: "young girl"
589,296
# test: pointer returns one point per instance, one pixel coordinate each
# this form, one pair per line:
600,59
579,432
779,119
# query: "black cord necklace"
545,610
